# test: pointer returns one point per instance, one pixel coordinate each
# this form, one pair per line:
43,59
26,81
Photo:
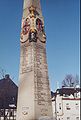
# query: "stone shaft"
34,96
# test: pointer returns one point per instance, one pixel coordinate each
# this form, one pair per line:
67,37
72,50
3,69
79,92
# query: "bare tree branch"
2,73
70,81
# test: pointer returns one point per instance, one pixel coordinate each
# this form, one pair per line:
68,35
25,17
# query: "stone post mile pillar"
34,96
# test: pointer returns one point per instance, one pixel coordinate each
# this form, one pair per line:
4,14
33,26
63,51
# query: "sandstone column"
34,96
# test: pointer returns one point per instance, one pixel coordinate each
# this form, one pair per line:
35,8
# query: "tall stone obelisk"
34,96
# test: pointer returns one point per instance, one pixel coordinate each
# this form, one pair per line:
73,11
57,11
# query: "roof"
68,90
8,92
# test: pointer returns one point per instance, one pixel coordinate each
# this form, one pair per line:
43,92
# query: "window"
77,106
60,106
67,106
68,118
77,118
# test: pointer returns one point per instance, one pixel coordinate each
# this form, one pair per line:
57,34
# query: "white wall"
66,108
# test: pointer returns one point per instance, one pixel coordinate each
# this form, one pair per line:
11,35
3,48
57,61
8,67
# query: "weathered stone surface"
34,96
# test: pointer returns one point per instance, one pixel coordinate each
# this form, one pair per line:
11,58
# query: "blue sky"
61,19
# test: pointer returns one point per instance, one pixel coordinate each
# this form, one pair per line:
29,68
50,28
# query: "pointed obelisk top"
35,3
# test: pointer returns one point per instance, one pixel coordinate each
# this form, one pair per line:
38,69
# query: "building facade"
66,104
8,99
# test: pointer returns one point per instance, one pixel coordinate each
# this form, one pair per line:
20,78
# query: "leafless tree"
70,81
2,73
77,81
